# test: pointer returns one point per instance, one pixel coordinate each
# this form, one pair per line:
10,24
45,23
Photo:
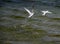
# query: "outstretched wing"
30,13
27,10
49,12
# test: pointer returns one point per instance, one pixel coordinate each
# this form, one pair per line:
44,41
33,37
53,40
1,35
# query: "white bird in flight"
31,13
45,12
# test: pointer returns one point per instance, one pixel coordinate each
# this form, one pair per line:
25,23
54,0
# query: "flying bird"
45,12
31,13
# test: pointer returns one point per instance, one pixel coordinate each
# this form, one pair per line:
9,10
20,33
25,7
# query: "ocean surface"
17,28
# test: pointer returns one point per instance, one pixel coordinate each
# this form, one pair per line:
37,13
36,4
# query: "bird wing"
49,12
43,11
27,10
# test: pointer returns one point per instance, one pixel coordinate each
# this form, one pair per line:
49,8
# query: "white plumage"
45,12
30,13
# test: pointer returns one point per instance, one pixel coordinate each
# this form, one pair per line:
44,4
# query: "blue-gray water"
17,28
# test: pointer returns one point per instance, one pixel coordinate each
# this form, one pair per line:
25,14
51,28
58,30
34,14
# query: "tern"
31,13
45,12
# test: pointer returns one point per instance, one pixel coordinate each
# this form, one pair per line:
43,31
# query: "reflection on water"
16,28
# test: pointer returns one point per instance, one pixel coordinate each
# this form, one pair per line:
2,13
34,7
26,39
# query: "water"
17,28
